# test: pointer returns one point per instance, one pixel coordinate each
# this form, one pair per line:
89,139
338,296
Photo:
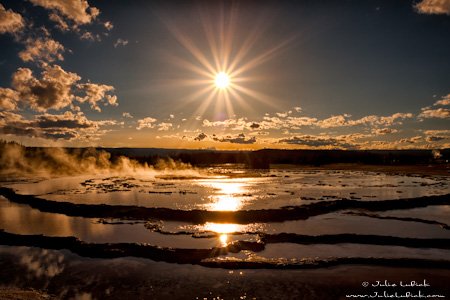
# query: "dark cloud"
200,137
56,89
317,141
63,126
239,139
435,138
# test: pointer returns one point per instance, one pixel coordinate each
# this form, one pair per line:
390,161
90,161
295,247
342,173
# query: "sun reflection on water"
224,229
228,194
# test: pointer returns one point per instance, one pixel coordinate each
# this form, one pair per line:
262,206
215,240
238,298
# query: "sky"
347,74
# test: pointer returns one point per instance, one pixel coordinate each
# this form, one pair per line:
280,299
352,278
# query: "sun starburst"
221,73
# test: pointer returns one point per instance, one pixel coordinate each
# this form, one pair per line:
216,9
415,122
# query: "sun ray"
262,58
189,45
256,95
210,37
228,104
223,68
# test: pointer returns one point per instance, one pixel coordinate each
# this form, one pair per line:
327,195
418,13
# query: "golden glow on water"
224,229
228,194
223,239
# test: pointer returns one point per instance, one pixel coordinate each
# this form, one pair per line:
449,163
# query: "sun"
222,80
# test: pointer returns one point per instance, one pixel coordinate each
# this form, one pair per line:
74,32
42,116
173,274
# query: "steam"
437,154
16,159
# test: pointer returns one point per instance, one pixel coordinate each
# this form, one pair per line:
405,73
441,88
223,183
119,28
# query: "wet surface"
242,190
238,219
63,275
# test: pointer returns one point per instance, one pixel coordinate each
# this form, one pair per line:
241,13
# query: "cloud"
440,113
233,124
331,122
383,131
77,11
237,139
284,114
52,91
164,126
373,120
8,99
433,7
298,109
42,50
56,89
438,132
90,36
147,122
412,140
65,126
108,25
127,115
95,93
316,141
200,137
10,21
120,42
60,23
444,101
435,138
286,123
334,121
437,135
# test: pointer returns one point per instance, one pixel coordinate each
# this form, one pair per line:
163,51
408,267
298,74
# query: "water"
243,195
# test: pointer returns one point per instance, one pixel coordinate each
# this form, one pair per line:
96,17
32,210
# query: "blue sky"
307,74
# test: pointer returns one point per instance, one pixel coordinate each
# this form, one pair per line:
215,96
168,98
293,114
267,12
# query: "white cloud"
233,124
127,115
164,126
147,122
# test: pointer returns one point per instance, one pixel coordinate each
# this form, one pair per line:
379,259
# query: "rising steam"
16,159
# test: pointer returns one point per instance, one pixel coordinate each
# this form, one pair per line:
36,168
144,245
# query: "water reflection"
228,232
228,194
